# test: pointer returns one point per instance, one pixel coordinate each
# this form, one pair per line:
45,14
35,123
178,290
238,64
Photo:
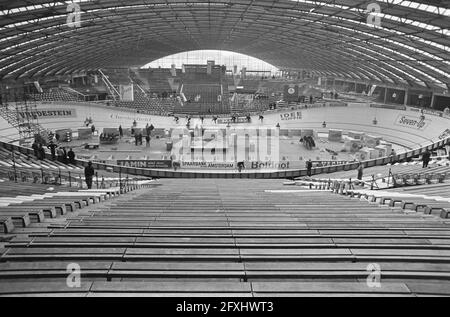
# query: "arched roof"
329,37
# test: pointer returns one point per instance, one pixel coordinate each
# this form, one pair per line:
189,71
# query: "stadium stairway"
209,237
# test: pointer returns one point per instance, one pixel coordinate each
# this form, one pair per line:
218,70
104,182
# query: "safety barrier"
155,173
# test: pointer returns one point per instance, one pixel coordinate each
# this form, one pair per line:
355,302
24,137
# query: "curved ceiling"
330,37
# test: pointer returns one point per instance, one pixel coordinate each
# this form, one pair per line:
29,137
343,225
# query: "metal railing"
63,177
56,177
288,174
405,179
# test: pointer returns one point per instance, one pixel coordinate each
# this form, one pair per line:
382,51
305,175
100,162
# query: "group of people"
64,156
38,150
56,152
88,121
308,142
138,137
302,99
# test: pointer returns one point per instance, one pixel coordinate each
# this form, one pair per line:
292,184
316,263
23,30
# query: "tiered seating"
23,208
117,76
26,168
158,80
83,91
26,161
257,105
145,104
434,205
251,85
208,93
275,86
432,199
437,172
408,173
195,109
442,190
55,94
22,204
9,115
231,237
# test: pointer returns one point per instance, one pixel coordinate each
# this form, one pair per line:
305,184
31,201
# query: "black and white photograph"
218,157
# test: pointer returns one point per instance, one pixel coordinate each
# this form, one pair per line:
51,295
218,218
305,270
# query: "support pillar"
432,100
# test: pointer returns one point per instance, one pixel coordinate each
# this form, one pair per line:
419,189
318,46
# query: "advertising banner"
229,120
393,107
328,163
290,93
137,118
269,165
44,114
207,165
412,122
145,163
290,116
428,111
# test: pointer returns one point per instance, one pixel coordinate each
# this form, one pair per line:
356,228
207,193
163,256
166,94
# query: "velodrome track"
354,117
431,133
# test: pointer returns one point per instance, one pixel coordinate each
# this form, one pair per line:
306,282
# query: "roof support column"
432,100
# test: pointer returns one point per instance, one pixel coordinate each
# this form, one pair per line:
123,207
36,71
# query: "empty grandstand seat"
261,241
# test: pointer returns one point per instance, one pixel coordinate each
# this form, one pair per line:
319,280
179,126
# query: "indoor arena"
176,148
